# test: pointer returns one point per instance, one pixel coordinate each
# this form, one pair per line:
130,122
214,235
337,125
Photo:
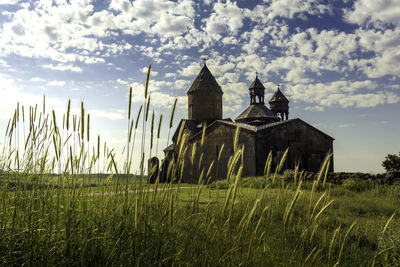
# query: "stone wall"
216,137
306,145
338,177
204,107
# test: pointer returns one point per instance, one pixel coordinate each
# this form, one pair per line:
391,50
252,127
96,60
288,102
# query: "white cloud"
233,97
291,9
169,25
384,45
155,91
297,74
191,70
314,108
229,40
164,18
342,93
74,33
4,63
62,67
170,75
37,80
61,31
182,84
152,72
250,64
366,11
56,83
120,5
123,82
255,39
227,17
111,115
391,97
8,2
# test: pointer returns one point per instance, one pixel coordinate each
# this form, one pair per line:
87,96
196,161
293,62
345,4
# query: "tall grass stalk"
134,134
343,243
158,132
146,104
130,124
171,120
290,207
279,167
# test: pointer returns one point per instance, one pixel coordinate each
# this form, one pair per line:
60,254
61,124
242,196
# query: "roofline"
252,128
290,121
226,122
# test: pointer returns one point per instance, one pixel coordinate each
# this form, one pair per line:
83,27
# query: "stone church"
262,130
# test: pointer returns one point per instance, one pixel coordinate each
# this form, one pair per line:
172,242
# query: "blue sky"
336,61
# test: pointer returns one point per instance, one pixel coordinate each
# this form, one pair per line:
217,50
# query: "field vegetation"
56,209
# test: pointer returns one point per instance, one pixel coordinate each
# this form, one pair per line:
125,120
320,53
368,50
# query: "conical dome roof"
257,112
206,82
278,97
256,85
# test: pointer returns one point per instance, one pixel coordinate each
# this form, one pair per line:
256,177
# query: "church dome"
258,114
278,96
279,104
257,85
205,82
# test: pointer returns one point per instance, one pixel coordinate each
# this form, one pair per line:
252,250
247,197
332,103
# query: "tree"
392,163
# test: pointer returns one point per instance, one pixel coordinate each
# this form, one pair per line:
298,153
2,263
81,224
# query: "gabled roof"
171,147
190,126
228,122
205,81
256,85
278,97
276,124
257,112
259,128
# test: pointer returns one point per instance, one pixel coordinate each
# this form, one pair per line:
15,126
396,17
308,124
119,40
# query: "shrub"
254,182
392,163
220,184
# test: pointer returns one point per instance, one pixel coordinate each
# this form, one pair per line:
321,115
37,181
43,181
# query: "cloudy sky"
336,61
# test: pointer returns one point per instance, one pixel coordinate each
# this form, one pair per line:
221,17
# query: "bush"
253,182
392,163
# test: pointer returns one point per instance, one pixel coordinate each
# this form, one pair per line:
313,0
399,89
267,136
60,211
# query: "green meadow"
57,210
221,224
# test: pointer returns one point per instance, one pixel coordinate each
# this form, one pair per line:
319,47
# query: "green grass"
70,226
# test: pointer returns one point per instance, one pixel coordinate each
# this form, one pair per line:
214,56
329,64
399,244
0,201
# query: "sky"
336,61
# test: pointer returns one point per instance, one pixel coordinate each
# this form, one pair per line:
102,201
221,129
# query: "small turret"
257,92
279,104
257,113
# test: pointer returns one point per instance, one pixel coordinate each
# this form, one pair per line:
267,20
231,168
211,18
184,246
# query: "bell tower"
257,92
205,97
279,104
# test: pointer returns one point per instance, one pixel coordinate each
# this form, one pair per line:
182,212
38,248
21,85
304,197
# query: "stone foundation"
338,177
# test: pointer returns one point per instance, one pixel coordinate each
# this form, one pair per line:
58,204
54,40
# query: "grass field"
178,224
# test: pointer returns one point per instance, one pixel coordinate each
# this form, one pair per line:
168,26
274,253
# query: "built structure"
261,130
